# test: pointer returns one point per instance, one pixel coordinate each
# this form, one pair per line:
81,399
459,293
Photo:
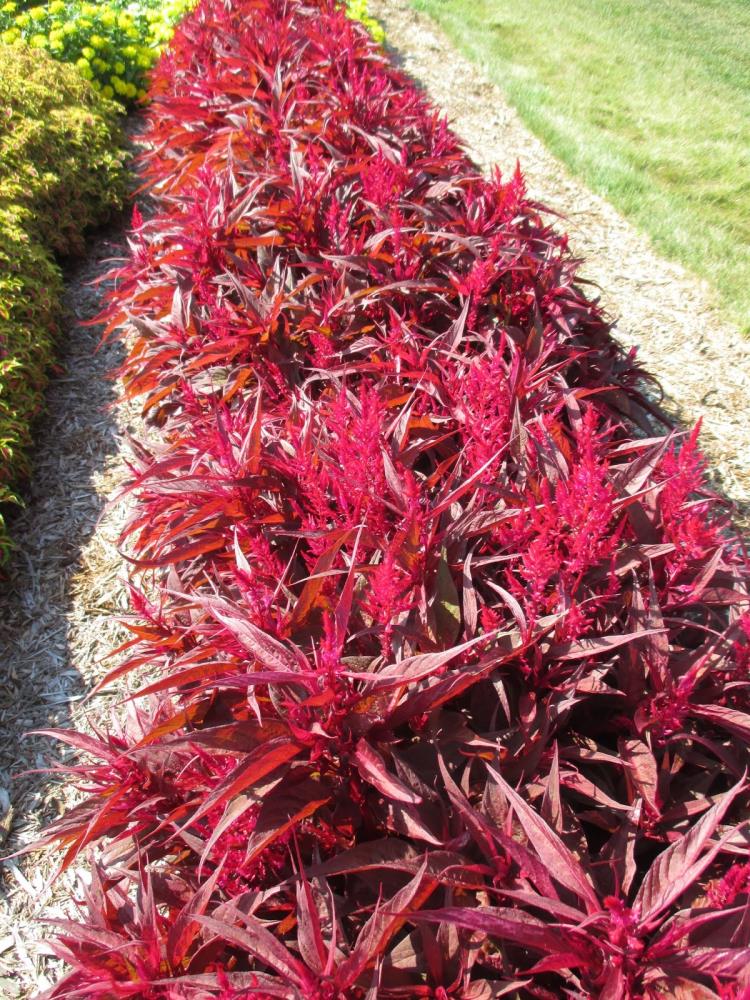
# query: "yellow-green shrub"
60,172
358,10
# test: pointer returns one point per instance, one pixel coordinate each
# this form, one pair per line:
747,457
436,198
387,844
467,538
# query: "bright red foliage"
447,651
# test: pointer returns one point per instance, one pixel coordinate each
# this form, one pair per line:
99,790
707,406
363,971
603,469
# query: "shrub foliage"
60,171
113,44
446,650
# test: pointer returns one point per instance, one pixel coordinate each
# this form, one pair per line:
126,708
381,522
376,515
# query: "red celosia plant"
448,655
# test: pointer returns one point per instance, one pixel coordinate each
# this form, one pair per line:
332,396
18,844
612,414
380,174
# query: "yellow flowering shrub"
120,38
60,171
113,43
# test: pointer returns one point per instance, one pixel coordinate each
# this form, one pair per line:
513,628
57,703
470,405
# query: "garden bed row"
61,173
446,652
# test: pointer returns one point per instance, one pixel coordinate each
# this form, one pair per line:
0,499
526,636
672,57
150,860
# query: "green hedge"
61,171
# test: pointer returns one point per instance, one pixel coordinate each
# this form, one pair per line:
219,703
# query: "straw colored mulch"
57,601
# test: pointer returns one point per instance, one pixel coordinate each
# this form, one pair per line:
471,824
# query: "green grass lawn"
647,100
